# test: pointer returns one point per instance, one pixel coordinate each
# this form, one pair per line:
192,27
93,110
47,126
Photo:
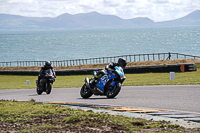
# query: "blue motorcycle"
108,85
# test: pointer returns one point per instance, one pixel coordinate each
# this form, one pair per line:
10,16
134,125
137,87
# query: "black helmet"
122,62
47,64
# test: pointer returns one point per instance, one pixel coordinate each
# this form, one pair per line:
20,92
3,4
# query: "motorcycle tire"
39,91
49,87
111,93
85,92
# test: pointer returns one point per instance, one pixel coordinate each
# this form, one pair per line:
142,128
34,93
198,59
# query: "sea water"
84,44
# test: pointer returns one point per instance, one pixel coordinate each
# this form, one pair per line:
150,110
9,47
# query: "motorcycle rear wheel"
49,87
111,93
85,92
39,92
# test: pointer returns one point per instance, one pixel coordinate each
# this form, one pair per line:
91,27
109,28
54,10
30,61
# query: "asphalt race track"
168,97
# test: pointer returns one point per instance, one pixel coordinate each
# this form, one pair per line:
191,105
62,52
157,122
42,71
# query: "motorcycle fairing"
108,76
48,72
104,79
120,71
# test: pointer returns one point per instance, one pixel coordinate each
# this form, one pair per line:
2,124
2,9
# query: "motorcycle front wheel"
85,92
39,91
49,87
112,92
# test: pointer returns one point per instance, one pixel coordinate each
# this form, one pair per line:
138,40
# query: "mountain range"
91,20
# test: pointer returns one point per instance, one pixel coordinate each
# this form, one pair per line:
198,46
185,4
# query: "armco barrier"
161,68
136,69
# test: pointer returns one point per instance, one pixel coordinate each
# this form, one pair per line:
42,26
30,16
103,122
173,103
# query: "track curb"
98,109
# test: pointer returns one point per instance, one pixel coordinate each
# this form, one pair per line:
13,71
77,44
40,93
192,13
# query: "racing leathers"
43,69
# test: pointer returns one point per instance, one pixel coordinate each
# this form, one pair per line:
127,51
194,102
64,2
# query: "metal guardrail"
129,58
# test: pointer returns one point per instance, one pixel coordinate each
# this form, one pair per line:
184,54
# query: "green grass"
19,82
181,78
36,117
162,79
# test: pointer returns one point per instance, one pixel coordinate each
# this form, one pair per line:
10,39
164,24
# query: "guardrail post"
144,57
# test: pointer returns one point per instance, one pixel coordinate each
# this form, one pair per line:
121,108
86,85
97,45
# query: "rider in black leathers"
121,62
45,67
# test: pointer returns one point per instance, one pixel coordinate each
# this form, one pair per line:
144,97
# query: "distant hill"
192,19
91,20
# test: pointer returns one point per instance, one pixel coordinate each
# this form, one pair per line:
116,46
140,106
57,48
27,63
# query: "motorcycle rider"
45,67
121,62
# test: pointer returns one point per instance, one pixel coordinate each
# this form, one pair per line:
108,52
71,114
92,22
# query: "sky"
157,10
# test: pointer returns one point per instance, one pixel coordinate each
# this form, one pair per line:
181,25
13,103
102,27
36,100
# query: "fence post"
139,57
134,58
144,57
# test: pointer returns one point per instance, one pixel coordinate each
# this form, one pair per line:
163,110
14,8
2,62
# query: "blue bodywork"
116,76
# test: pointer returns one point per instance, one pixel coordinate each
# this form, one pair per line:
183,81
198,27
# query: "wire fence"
129,58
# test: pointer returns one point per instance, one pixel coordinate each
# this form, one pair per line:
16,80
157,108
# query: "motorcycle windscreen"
102,82
48,72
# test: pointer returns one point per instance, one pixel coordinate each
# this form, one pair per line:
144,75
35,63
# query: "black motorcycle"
46,82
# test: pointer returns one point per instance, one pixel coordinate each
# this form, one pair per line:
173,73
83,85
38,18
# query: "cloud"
157,10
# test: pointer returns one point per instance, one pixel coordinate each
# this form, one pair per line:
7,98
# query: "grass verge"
181,78
36,117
